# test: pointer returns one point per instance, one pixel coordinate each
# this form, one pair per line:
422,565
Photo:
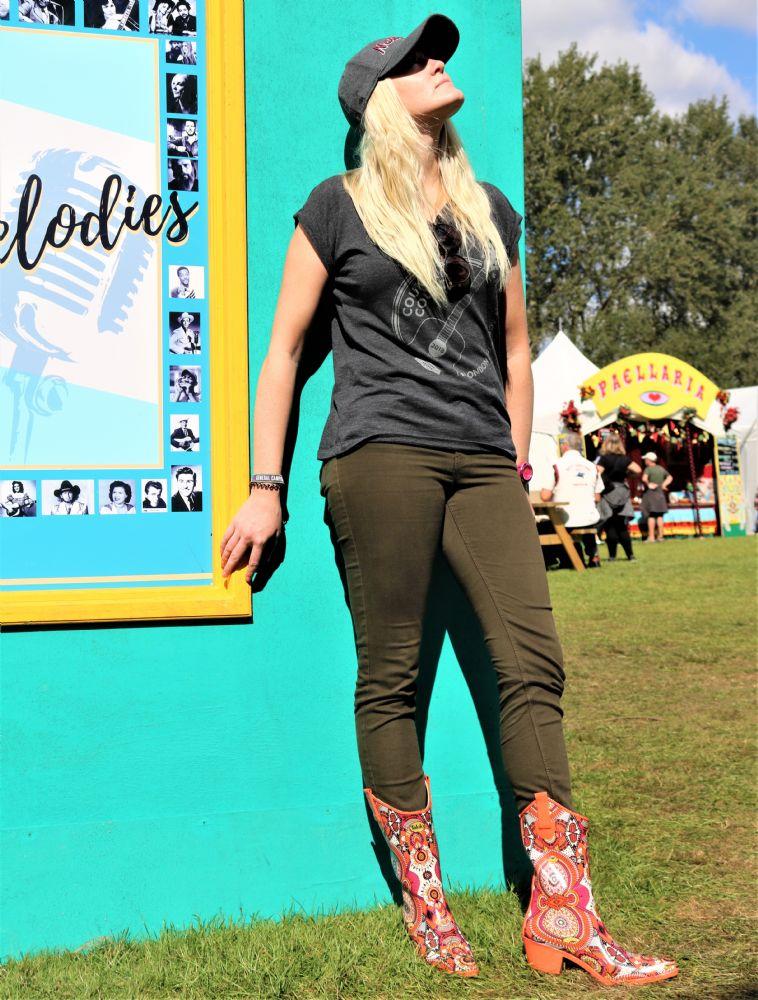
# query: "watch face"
526,471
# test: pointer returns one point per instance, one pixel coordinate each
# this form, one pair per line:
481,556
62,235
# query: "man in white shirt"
577,482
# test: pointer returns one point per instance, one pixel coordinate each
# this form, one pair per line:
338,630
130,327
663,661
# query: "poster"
729,482
115,457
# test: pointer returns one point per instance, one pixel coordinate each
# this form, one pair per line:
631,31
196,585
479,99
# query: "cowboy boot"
562,920
415,859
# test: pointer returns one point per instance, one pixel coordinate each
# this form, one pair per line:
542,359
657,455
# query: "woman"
159,20
616,501
654,504
420,450
113,15
182,95
187,390
120,495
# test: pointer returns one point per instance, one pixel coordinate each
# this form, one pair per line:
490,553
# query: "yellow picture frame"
228,376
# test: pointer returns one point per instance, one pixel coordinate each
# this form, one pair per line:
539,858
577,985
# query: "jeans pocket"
322,477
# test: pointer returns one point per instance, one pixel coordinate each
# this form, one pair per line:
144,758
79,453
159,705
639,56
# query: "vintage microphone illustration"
84,282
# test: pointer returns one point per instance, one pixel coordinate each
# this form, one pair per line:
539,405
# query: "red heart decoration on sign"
654,396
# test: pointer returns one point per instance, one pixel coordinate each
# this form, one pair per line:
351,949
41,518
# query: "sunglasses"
456,267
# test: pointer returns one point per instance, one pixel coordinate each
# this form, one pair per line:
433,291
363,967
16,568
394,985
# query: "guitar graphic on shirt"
433,332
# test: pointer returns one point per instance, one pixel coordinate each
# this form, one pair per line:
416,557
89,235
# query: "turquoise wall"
154,774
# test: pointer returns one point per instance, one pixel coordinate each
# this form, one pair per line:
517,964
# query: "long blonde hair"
388,194
613,444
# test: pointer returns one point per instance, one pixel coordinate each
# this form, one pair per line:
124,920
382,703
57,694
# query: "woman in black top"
425,442
615,506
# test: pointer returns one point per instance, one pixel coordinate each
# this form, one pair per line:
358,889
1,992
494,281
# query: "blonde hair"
387,192
613,445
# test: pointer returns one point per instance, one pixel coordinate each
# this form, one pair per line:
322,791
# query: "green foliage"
641,227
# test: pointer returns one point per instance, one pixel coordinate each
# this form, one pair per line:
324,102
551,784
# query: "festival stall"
657,403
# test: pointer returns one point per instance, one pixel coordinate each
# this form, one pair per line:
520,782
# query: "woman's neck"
431,178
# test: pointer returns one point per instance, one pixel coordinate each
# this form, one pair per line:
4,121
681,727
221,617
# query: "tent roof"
557,372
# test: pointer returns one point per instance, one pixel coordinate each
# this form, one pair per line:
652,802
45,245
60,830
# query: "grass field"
660,712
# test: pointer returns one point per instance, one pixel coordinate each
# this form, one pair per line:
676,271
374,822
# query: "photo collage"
177,487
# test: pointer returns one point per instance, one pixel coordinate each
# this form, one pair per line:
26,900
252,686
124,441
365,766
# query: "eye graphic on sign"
654,398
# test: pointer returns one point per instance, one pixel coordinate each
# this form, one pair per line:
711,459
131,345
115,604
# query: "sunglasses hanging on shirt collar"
457,268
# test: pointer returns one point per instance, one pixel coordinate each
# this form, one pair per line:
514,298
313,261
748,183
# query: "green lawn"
660,714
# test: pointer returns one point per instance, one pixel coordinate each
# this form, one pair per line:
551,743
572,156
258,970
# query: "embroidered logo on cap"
385,43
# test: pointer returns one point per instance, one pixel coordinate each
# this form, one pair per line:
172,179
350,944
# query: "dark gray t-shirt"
404,370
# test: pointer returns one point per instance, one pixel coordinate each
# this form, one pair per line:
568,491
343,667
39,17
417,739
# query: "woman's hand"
256,523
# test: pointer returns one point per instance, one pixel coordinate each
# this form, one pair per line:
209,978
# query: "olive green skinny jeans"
391,506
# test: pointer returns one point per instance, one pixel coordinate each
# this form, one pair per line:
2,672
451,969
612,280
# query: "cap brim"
437,36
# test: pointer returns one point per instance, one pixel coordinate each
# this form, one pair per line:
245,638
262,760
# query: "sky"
686,49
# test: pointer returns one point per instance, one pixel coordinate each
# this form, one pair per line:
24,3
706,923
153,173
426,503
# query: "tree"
640,226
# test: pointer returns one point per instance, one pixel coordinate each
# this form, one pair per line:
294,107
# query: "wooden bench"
549,510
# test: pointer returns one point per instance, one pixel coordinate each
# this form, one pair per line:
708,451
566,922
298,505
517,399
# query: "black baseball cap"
437,36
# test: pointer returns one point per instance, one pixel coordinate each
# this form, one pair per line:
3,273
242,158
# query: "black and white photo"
185,432
159,18
182,139
187,282
183,20
154,493
116,496
181,53
113,15
67,497
181,94
185,384
5,10
46,11
187,488
182,175
184,337
18,498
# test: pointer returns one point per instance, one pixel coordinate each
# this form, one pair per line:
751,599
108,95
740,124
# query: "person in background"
67,495
37,12
186,498
183,290
159,20
183,438
577,482
654,503
153,499
183,21
615,506
18,503
183,339
120,495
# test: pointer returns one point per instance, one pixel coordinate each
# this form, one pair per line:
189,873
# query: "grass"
661,665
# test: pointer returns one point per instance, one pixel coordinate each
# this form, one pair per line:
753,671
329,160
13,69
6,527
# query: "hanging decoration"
729,416
570,417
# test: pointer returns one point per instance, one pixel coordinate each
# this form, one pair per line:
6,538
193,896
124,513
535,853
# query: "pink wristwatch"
525,470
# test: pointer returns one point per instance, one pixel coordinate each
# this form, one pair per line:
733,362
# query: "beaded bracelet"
267,481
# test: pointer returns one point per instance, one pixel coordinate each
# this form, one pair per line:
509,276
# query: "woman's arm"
634,467
260,516
519,389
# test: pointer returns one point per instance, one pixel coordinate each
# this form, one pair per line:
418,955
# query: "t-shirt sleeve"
319,218
507,219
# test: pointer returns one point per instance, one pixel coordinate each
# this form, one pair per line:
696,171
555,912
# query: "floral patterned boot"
415,858
562,920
